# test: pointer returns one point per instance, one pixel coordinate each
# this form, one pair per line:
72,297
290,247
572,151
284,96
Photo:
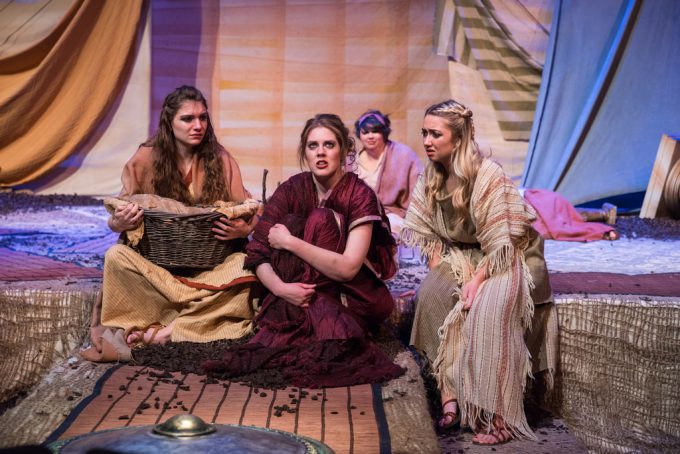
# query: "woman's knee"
114,254
323,228
118,257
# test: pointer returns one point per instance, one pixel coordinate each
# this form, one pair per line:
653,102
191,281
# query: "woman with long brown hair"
487,277
184,162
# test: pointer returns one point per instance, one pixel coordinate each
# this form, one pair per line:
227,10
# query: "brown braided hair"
465,159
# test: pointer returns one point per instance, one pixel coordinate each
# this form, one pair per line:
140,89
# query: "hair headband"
372,115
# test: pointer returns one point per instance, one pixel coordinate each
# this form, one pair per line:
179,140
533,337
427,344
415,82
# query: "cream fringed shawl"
500,215
482,358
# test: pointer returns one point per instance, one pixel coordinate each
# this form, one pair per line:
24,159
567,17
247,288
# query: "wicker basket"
182,241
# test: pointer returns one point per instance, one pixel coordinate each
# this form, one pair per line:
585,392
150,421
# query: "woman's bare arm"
339,267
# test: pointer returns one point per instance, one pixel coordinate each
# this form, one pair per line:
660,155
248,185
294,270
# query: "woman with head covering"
390,168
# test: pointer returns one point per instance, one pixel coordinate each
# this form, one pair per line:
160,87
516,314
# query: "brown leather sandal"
500,436
455,416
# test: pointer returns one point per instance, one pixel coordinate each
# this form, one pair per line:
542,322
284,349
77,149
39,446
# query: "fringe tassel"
472,413
445,332
499,260
461,265
528,287
427,246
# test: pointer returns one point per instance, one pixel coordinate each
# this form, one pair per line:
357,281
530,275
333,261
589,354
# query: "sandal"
455,416
154,327
500,436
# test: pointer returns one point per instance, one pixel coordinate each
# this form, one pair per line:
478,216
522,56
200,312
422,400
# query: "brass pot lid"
187,434
184,426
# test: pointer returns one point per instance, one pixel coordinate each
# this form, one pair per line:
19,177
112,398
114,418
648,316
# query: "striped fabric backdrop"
505,41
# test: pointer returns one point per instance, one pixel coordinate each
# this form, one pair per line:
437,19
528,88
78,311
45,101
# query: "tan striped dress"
215,304
480,356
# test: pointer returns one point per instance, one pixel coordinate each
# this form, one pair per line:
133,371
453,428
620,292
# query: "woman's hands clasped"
127,217
297,293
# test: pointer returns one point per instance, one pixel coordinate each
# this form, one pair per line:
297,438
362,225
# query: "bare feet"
153,334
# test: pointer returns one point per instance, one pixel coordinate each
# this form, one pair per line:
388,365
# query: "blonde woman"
487,274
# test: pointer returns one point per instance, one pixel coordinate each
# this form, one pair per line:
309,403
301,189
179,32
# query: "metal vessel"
190,434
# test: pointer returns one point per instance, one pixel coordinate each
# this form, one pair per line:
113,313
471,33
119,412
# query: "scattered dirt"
657,229
186,357
11,201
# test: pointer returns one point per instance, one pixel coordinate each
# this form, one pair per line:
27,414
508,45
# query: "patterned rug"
348,419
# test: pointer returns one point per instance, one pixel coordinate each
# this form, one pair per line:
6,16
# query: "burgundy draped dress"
327,344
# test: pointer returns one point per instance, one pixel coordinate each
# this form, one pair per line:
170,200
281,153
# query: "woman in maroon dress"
322,249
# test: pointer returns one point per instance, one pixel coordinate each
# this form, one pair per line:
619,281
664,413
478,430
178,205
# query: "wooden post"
666,157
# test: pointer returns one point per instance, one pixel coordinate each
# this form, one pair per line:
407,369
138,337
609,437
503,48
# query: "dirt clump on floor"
11,201
656,229
187,357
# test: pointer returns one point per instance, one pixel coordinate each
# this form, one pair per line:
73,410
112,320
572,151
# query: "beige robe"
481,356
215,304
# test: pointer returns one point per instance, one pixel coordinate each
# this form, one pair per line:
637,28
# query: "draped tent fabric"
610,89
55,89
182,55
264,66
280,63
505,41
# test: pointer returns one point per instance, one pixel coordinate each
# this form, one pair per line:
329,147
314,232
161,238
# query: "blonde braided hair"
465,159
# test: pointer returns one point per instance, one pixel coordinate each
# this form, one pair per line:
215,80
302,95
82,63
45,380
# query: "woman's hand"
278,236
469,291
126,217
436,257
230,229
297,293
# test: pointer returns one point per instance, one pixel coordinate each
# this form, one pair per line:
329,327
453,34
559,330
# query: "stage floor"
63,247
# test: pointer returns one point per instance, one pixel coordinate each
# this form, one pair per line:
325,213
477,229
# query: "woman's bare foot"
153,334
612,235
